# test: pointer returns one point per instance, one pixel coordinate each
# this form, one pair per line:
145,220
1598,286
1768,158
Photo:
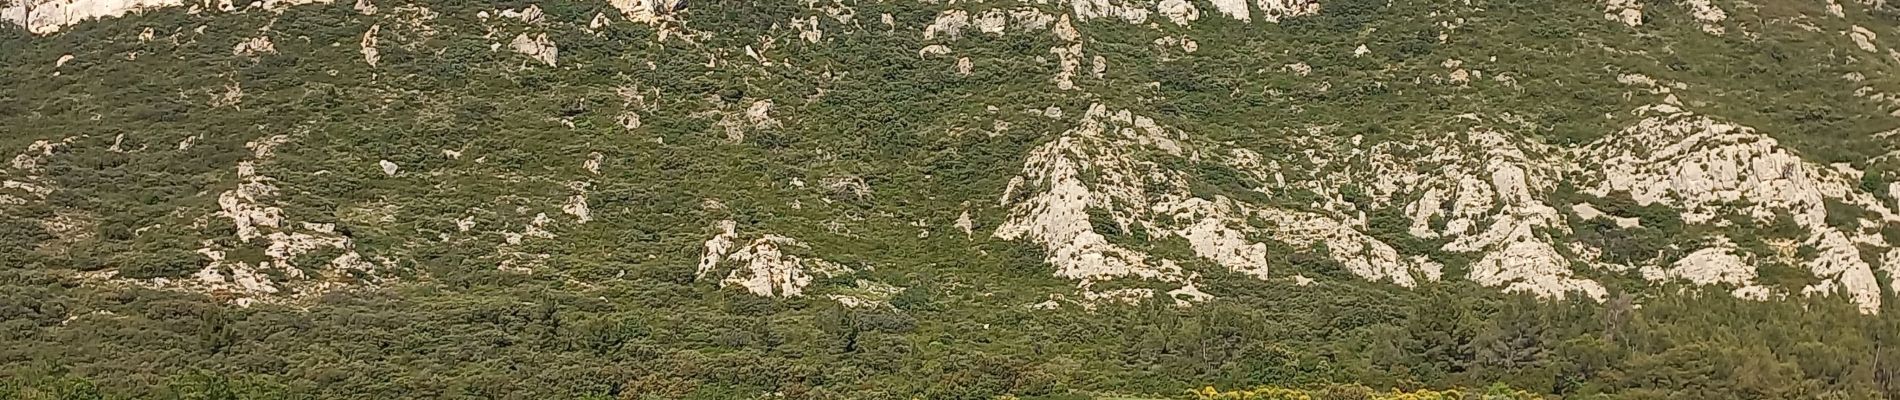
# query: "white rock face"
1058,216
1275,10
934,50
49,16
1480,190
965,224
1891,261
756,116
1360,254
25,182
763,267
1299,68
537,47
577,206
1180,12
1068,61
1517,255
1629,12
949,25
1702,165
992,22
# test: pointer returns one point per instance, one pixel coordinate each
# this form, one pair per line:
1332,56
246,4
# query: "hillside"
948,199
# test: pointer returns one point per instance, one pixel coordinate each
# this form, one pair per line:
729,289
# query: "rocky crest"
1122,193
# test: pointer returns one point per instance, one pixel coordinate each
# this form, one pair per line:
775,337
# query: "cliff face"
1137,149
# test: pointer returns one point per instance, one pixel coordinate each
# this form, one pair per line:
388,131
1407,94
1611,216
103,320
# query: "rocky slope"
1139,149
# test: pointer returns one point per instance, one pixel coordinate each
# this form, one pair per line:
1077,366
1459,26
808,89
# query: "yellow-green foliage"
1356,392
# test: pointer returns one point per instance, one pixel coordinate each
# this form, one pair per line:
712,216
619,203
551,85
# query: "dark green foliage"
157,263
1844,216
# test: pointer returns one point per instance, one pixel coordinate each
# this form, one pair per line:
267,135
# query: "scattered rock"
370,54
531,15
758,116
1863,38
251,208
1629,12
867,294
1300,69
964,224
934,50
948,25
577,206
1180,12
253,47
592,165
44,17
764,268
1708,14
1237,9
991,22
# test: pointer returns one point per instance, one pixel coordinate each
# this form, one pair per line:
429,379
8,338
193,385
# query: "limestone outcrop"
760,263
